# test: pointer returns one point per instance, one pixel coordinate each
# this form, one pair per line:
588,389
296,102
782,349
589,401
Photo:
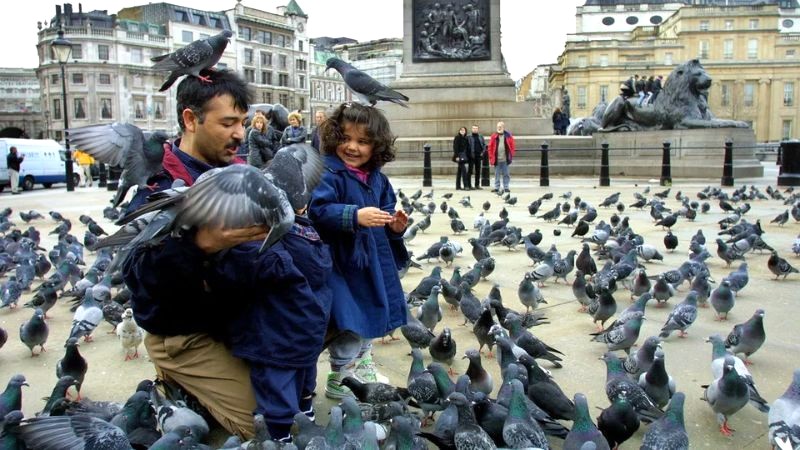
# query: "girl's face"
259,125
356,146
294,122
462,131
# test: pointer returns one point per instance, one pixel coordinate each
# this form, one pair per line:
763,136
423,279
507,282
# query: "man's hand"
213,240
373,217
399,222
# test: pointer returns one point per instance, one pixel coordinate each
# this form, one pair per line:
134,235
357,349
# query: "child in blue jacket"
281,329
353,209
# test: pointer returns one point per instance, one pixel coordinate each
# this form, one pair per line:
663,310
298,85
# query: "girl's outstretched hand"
374,217
399,221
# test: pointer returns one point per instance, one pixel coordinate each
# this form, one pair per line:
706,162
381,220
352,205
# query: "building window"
752,49
787,129
582,61
54,79
668,58
199,19
788,93
264,37
603,60
248,56
703,50
301,103
222,66
181,16
749,94
300,45
301,82
301,64
790,53
77,78
136,55
77,51
215,22
138,109
753,24
158,109
187,36
725,94
102,52
704,25
604,93
104,78
282,62
105,108
283,80
266,59
250,75
280,40
245,33
728,25
56,109
727,49
581,97
80,108
283,99
266,77
266,97
138,81
608,21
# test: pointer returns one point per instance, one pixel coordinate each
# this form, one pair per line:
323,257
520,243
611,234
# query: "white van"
43,164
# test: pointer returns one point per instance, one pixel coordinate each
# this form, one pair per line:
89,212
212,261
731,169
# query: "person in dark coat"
13,163
461,157
263,142
295,132
319,117
281,327
557,119
353,209
170,296
477,148
656,88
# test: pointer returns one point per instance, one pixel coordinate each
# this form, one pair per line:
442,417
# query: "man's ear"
189,120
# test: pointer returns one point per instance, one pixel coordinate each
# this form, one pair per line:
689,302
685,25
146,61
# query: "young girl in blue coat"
353,209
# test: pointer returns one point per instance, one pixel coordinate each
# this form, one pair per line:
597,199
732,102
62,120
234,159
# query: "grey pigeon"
784,415
640,361
657,383
583,429
723,299
192,59
533,346
662,291
429,313
726,395
373,393
124,145
482,330
747,337
172,414
580,290
602,308
443,349
718,356
622,336
368,90
618,384
519,429
62,432
87,317
34,331
681,317
480,379
668,432
779,266
72,364
11,398
529,294
738,278
415,332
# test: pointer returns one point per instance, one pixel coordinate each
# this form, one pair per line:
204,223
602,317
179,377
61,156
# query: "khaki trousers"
207,370
14,176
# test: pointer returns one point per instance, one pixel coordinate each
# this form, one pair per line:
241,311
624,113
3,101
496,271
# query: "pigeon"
618,422
520,430
583,429
727,394
532,345
668,432
130,335
119,144
784,415
546,393
368,90
374,393
602,308
85,432
11,398
192,59
580,229
72,364
239,196
34,332
87,317
172,414
747,337
658,385
723,299
779,266
718,355
529,294
429,313
781,218
443,349
622,336
727,253
682,316
670,241
739,278
618,384
417,335
648,252
480,379
482,330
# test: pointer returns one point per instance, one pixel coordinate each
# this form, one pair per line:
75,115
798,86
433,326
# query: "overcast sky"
533,31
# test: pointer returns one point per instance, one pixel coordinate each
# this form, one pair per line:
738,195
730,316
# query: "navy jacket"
286,299
368,296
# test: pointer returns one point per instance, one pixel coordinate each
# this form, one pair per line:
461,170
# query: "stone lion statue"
586,126
682,103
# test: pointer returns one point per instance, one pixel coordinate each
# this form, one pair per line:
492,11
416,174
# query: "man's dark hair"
376,126
12,149
194,93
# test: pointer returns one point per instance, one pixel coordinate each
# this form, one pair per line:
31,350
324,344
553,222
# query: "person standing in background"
501,152
13,162
477,147
84,160
461,156
319,117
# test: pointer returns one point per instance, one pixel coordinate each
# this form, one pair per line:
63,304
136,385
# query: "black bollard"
544,169
605,180
427,180
485,169
103,176
790,167
727,165
113,178
666,168
779,159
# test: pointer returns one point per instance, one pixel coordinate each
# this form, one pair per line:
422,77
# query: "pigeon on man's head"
125,145
192,59
365,88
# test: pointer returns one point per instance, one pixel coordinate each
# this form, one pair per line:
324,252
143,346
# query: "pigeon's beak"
26,384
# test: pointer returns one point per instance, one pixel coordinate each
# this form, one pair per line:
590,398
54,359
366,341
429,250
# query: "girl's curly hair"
375,124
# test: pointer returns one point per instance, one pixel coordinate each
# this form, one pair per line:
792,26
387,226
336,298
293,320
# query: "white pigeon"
130,335
87,317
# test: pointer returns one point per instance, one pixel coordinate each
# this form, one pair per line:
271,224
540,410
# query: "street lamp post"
62,48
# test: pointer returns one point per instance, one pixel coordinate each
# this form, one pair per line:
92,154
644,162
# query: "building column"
764,110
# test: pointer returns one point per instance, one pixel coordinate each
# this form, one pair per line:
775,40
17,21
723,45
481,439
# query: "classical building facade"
750,48
20,108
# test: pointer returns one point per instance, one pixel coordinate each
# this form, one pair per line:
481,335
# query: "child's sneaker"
366,372
334,389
